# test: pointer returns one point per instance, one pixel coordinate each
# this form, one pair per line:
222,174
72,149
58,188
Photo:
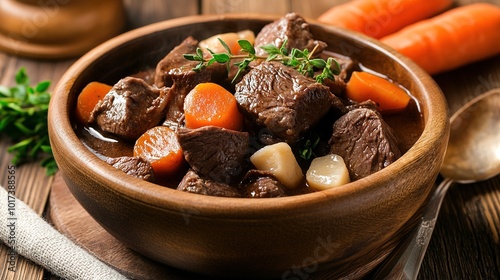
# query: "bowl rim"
166,198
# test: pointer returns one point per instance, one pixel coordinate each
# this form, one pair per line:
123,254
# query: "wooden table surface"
466,242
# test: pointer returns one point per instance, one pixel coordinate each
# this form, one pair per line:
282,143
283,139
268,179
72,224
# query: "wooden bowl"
338,232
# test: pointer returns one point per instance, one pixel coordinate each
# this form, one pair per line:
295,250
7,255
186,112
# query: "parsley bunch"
23,118
301,60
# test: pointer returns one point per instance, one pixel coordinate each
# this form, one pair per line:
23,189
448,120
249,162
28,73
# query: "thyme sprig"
23,118
301,60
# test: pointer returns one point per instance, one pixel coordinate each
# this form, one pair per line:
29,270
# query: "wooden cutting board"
69,217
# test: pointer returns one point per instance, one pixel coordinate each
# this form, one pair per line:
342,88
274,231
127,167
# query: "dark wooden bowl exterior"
345,231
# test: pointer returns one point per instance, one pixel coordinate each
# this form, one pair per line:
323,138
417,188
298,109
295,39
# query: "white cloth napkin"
32,237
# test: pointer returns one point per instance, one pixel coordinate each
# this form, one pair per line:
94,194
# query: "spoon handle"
404,262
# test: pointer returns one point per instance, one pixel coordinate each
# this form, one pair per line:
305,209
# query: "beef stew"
279,103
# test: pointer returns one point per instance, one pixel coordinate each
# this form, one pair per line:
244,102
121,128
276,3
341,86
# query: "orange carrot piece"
231,40
160,147
366,86
455,38
88,98
378,18
211,104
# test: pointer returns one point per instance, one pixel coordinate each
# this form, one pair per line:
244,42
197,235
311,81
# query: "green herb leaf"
200,66
318,63
221,57
226,47
42,86
272,57
307,150
246,46
21,77
296,53
199,52
283,49
333,63
271,49
191,57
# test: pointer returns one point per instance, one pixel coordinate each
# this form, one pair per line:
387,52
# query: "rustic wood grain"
465,244
32,186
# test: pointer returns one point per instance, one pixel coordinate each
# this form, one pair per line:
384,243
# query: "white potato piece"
231,40
278,159
327,172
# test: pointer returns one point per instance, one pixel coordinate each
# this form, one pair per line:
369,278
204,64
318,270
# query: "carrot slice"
230,39
160,147
388,96
88,98
210,104
378,18
455,38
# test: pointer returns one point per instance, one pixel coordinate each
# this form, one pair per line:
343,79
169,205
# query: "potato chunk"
327,172
278,159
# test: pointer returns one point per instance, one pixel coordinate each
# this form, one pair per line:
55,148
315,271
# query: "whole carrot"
378,18
455,38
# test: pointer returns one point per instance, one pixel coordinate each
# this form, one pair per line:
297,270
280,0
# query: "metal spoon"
473,155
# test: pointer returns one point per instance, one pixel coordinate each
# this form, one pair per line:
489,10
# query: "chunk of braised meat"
174,66
337,86
177,72
215,153
292,27
193,183
287,105
259,184
135,166
347,65
147,75
365,141
130,108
